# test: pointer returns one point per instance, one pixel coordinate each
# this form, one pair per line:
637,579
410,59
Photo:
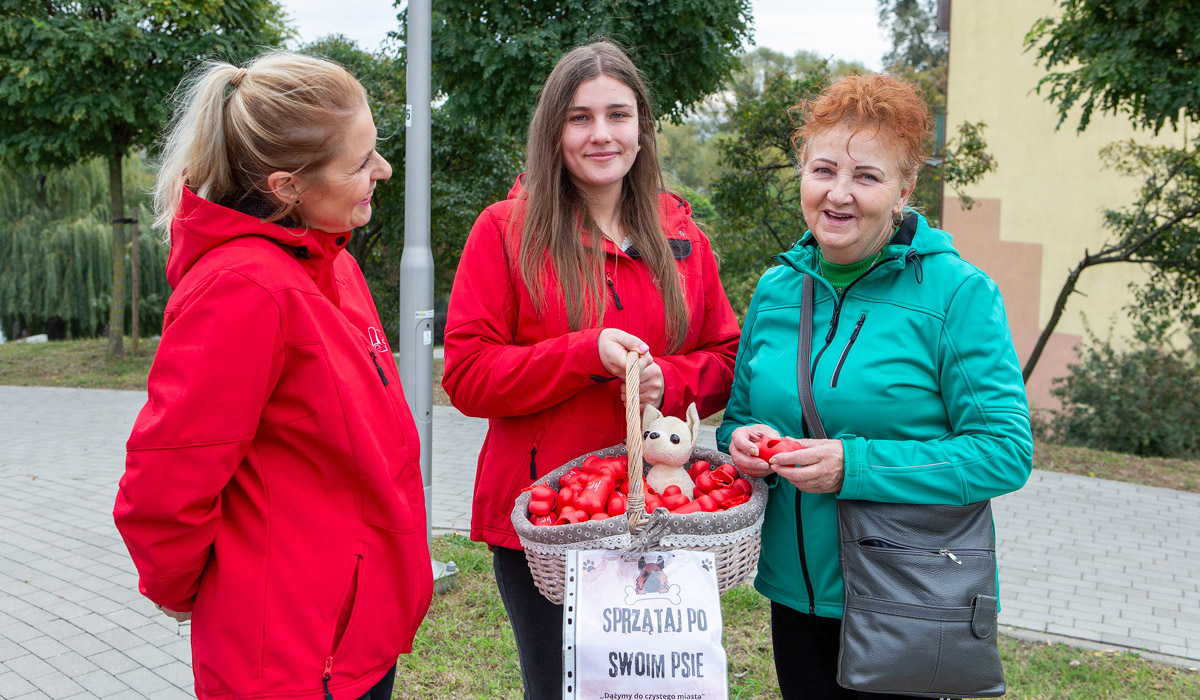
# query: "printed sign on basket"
642,628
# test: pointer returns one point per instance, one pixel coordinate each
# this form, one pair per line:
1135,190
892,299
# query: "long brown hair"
555,209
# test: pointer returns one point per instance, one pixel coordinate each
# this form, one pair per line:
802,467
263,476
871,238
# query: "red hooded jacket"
272,482
542,387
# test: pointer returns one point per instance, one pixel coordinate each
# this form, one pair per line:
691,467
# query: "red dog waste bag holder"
642,626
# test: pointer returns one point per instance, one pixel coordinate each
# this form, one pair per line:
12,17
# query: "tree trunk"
1060,305
133,276
116,314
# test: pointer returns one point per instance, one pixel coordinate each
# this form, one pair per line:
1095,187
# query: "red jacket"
272,481
541,386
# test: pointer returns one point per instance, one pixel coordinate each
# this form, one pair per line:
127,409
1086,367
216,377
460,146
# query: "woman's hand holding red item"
817,468
743,447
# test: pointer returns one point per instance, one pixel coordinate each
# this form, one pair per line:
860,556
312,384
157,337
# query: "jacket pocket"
342,623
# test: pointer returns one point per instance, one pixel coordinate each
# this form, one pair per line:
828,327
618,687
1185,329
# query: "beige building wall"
1041,209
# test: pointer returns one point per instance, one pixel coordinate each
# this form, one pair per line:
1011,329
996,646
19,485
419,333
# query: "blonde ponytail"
233,126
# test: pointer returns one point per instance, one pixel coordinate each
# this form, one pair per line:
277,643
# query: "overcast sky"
845,29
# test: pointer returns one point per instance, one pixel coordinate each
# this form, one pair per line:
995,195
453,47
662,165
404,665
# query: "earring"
297,202
897,217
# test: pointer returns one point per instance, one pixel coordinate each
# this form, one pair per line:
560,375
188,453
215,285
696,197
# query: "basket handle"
635,507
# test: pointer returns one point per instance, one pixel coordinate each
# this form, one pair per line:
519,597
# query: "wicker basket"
732,535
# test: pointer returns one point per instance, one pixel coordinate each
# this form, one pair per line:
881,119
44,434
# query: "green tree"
56,250
470,170
88,79
490,58
1139,58
920,53
758,192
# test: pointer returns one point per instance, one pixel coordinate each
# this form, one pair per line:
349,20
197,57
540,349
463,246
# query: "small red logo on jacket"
378,339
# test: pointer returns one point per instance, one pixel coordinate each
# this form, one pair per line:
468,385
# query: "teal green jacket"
913,370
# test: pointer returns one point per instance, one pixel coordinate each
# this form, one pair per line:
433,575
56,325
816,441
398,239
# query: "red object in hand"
768,447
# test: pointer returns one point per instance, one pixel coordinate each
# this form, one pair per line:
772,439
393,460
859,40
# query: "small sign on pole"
642,628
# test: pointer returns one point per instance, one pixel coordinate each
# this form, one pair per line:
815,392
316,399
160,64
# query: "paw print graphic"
707,565
589,565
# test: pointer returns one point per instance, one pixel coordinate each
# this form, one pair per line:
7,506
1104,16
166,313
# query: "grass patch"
82,363
465,649
1178,474
76,363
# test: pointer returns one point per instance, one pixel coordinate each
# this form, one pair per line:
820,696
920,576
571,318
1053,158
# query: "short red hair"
890,107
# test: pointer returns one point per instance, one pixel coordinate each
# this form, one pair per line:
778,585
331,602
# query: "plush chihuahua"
667,445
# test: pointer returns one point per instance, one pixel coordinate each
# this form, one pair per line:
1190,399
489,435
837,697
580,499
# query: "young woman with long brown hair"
587,259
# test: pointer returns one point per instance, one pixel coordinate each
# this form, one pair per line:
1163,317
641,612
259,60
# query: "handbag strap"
804,361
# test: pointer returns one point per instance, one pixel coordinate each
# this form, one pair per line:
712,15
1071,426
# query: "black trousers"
536,623
806,657
383,689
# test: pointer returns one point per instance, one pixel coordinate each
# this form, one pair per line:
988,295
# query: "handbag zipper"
879,544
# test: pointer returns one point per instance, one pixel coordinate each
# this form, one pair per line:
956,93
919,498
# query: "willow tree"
85,79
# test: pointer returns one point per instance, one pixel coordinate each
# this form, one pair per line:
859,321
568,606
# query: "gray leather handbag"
920,599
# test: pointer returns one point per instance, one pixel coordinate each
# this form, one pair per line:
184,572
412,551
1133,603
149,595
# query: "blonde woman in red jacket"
587,258
272,491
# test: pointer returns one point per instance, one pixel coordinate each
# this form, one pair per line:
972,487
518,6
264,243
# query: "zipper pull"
613,288
327,676
533,462
948,553
382,376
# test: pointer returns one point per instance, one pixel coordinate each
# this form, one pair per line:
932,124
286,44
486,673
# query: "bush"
1143,400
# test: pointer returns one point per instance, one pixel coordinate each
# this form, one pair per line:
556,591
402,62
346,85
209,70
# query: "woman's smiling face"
340,197
851,185
600,136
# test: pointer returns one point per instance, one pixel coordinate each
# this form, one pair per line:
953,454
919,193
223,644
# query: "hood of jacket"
914,239
201,225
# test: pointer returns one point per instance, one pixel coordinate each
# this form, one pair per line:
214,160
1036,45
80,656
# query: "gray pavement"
1090,562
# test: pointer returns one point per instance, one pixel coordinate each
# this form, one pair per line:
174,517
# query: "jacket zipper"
837,311
878,544
533,457
812,602
846,351
382,376
833,323
325,677
613,289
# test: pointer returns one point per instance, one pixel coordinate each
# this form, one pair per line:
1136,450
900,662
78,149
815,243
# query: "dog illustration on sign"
652,583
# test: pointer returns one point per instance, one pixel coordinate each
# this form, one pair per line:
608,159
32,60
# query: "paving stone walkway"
1092,562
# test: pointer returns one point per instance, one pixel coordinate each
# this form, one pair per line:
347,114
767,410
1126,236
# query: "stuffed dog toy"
667,444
